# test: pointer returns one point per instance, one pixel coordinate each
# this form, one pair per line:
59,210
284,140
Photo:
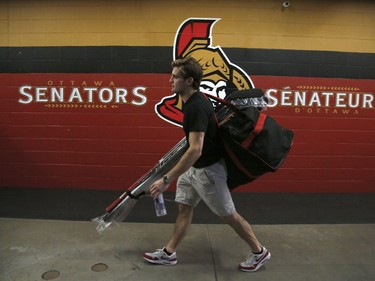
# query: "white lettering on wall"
319,99
59,94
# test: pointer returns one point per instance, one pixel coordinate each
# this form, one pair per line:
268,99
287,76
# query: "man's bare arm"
187,160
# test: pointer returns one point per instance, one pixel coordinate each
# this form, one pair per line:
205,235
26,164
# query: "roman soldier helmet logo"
220,77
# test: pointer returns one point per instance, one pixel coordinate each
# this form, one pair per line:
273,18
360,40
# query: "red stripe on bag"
237,162
257,129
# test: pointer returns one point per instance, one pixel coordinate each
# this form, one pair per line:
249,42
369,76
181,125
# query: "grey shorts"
208,184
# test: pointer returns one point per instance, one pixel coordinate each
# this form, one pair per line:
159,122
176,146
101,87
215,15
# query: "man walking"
201,171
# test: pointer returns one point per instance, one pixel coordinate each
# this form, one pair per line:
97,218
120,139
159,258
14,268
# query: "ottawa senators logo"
220,77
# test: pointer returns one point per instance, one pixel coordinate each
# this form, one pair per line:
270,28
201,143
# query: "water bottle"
160,206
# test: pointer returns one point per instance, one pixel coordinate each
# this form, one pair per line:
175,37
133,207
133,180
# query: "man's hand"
187,160
157,188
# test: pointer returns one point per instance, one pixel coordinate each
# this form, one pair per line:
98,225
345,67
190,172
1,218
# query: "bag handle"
257,128
223,101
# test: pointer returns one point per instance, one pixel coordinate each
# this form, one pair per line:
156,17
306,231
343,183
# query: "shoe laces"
163,253
250,258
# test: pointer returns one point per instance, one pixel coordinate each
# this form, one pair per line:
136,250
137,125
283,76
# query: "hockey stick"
119,209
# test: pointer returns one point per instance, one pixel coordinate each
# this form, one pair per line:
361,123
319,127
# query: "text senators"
82,95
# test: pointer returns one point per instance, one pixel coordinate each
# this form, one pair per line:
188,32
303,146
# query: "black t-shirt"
199,116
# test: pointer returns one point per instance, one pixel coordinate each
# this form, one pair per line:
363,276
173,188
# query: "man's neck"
186,95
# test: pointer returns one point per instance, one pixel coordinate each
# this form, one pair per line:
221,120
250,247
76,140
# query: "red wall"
107,145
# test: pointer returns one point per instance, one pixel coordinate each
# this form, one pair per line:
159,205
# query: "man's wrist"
166,179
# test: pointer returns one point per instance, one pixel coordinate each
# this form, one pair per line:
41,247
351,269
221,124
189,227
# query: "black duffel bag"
254,142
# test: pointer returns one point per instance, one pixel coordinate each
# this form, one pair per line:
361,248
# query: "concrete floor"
67,250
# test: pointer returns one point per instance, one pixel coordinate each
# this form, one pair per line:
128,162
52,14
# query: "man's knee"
230,219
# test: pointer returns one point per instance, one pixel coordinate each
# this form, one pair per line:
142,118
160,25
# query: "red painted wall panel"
109,145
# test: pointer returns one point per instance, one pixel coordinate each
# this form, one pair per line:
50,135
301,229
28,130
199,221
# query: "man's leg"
167,255
187,198
259,255
181,227
244,230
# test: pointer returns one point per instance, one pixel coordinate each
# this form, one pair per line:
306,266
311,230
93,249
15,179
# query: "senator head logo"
220,77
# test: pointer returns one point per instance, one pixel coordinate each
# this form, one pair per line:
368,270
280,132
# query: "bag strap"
225,102
257,129
236,161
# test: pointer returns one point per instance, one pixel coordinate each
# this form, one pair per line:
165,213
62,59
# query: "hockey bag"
254,142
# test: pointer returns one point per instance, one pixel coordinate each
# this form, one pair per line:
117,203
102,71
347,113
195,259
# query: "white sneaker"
160,257
254,262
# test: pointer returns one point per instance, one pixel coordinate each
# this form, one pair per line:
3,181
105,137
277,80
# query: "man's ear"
190,81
